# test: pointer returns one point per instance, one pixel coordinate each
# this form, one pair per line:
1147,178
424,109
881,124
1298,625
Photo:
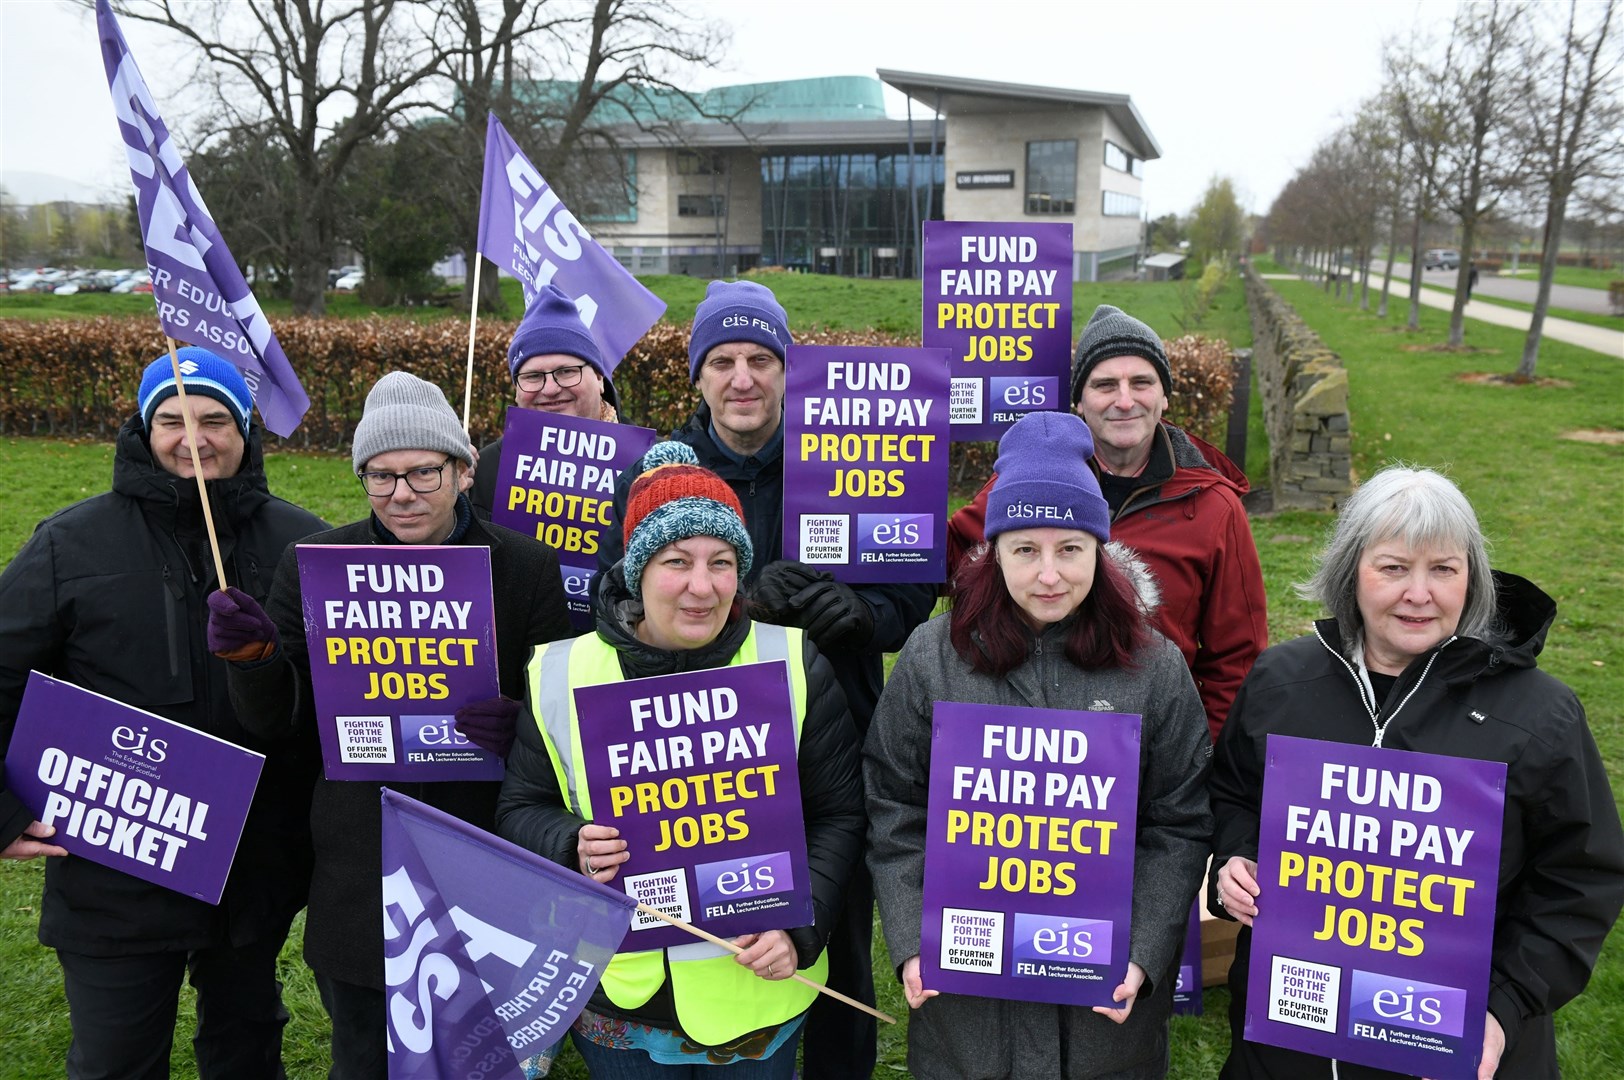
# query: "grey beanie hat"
1113,332
404,412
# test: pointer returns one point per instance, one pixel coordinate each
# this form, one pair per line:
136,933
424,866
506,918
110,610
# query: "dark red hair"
991,634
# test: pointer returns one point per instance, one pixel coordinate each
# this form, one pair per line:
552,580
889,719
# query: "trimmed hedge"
78,379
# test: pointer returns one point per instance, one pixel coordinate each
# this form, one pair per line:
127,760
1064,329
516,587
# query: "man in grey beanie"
412,458
1173,498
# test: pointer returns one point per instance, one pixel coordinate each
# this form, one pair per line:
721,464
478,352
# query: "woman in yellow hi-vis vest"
673,604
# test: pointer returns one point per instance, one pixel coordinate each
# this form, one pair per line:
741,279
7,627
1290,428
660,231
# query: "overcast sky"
1240,89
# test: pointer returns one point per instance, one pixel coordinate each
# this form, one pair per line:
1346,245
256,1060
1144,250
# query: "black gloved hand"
834,616
772,596
489,724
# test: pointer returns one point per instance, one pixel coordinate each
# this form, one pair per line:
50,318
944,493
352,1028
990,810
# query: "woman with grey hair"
1428,649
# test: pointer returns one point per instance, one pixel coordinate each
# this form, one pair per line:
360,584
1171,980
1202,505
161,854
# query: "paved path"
1599,338
1572,297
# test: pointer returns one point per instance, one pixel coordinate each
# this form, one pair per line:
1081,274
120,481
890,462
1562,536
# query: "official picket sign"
1029,842
490,951
697,771
557,483
400,637
865,462
1379,870
129,789
997,296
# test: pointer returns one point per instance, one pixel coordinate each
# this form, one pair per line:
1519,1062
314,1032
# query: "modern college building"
812,175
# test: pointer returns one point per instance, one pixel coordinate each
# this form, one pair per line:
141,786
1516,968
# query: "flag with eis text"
490,951
528,231
201,295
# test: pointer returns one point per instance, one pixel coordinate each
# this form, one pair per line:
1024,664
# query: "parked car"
1441,259
140,281
350,282
338,272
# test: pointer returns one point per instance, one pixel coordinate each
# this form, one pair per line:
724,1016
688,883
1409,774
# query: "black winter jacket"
531,811
343,935
110,594
897,609
1561,879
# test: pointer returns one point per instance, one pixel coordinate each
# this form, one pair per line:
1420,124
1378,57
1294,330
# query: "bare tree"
291,66
1483,160
1416,100
1574,121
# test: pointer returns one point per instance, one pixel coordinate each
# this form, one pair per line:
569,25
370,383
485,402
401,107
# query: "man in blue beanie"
557,367
110,594
736,359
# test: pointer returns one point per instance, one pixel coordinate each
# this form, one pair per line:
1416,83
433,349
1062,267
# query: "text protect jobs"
556,482
1379,869
865,462
998,297
399,637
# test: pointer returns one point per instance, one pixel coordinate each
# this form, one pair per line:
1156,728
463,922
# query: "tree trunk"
310,258
1554,215
1363,255
1387,274
1414,322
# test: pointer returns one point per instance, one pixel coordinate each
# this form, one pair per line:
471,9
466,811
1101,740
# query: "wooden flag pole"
473,320
197,464
732,948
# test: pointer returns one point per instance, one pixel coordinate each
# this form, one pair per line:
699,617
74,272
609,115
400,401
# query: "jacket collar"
618,612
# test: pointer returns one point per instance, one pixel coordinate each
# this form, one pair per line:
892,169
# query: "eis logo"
1380,1002
1042,941
725,886
882,537
1023,395
425,737
140,744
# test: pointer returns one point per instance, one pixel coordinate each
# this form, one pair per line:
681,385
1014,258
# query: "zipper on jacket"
1369,701
177,593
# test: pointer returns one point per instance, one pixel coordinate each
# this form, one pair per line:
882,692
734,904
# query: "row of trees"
1515,113
363,121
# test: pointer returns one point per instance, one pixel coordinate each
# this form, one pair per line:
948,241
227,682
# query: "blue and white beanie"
206,375
1044,480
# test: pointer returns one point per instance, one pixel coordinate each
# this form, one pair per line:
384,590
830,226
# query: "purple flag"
1376,920
527,230
490,951
865,462
556,482
1029,850
125,788
697,771
201,295
400,637
998,297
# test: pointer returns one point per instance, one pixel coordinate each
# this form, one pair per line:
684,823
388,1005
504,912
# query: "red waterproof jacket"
1191,531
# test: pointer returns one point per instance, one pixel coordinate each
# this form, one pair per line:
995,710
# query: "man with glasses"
412,459
556,367
109,594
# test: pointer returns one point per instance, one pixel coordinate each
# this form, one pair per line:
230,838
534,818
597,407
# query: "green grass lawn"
1583,276
1554,507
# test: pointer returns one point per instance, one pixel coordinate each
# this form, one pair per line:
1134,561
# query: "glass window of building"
1115,157
701,205
693,163
1051,177
1116,204
608,188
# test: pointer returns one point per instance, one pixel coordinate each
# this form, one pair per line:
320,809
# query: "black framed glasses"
532,382
425,480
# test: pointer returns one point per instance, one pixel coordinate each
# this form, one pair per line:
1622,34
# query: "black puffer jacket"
110,594
1561,878
343,935
531,811
897,609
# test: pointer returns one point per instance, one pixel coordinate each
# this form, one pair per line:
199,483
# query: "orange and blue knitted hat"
674,498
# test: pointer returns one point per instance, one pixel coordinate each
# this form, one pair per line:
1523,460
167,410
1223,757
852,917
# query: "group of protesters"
1107,564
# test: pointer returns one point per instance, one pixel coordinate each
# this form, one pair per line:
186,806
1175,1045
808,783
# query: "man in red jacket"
1174,499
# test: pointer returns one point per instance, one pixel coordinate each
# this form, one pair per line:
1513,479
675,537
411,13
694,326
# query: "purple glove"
239,629
489,724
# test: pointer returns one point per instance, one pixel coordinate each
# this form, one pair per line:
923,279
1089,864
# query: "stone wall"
1305,404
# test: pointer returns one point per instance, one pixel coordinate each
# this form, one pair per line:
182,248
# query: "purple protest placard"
131,790
526,229
1029,852
1378,871
865,462
1187,989
697,771
490,951
557,483
400,637
997,296
201,295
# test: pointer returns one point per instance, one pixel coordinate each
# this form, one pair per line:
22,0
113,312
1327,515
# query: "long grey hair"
1423,509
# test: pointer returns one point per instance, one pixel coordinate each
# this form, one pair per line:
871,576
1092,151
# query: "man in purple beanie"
556,367
736,359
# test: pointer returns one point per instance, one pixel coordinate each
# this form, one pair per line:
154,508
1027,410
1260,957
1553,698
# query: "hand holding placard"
239,629
28,846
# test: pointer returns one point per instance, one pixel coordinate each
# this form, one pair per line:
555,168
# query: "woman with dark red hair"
1046,615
